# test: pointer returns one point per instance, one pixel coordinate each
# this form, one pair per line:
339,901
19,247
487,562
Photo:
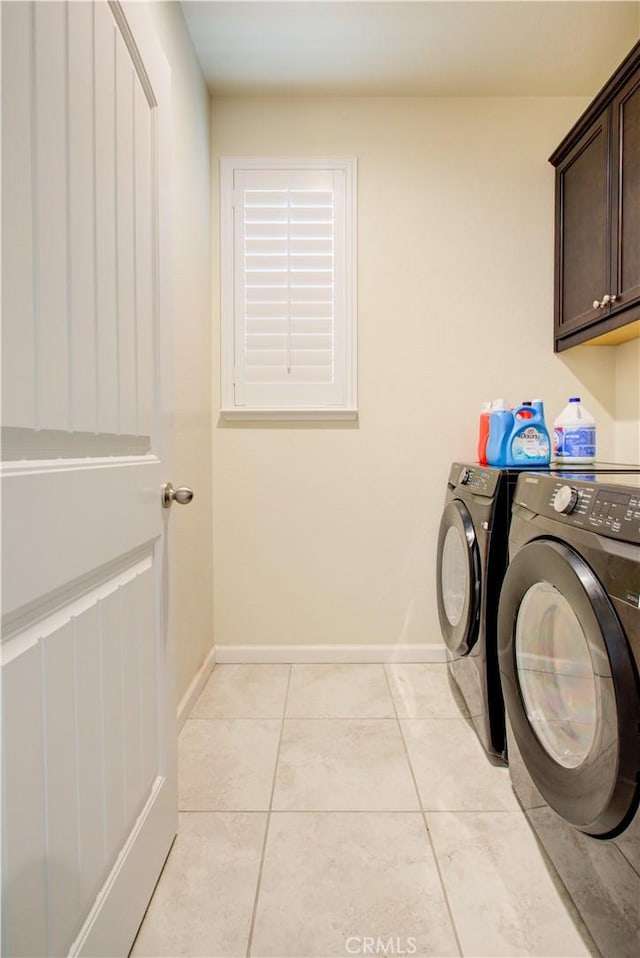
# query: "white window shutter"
290,315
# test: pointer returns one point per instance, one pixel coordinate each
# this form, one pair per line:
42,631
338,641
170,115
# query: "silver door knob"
183,495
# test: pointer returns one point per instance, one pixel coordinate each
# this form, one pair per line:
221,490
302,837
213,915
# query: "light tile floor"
336,810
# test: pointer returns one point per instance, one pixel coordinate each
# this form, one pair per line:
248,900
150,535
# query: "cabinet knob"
607,300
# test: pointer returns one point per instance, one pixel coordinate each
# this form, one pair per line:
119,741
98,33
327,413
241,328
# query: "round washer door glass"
455,575
458,578
555,674
570,685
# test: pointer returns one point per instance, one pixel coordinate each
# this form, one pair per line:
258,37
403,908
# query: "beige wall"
327,534
191,589
627,373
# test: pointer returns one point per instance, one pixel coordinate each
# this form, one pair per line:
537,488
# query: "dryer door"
570,687
458,567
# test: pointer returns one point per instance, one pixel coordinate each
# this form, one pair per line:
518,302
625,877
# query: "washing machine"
569,660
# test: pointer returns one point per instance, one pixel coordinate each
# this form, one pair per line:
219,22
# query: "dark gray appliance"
472,556
569,658
471,562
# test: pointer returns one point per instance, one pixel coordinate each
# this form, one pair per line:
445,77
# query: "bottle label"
531,445
579,442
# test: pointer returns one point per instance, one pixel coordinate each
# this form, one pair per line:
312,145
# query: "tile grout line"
424,817
348,811
345,811
266,831
305,718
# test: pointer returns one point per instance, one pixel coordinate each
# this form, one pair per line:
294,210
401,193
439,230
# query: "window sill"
281,415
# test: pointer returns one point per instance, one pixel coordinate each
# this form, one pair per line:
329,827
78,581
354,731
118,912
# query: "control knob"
565,499
465,475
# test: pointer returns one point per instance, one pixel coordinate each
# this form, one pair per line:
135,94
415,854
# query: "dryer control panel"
478,479
606,505
614,510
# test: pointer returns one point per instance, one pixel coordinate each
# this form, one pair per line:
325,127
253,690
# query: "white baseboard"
188,700
259,654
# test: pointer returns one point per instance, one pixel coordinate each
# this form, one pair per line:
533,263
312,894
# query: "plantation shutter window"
288,287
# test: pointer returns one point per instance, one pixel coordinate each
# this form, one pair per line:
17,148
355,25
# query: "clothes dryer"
471,562
569,659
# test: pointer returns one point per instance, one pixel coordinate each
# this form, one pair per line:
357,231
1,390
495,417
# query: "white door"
88,696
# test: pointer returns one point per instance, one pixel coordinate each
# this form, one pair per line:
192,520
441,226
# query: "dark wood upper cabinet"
597,228
625,261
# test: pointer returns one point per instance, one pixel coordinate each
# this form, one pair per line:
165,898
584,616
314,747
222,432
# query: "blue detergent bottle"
500,429
529,444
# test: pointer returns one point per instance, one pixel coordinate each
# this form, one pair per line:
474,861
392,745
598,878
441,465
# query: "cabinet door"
625,260
583,218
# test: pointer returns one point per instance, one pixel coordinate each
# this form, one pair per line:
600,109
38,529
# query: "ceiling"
430,48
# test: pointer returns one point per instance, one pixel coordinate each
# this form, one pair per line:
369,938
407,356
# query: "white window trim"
229,410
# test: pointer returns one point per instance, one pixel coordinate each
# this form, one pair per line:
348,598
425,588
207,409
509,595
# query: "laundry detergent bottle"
529,444
500,428
574,434
483,433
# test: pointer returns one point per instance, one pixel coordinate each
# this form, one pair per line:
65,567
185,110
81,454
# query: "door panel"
570,686
49,119
87,651
18,246
78,363
105,224
125,79
144,293
583,229
458,572
81,220
89,706
24,888
625,264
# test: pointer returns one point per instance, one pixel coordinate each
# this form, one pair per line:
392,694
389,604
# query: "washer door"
570,687
458,578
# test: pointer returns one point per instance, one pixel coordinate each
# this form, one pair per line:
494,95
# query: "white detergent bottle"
575,434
